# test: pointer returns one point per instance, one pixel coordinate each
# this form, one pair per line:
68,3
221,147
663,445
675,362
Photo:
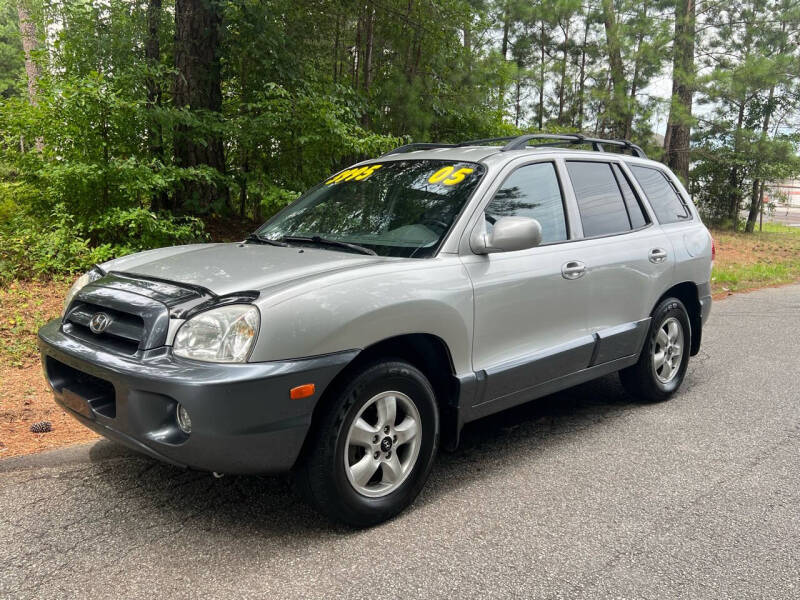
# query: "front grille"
138,311
124,334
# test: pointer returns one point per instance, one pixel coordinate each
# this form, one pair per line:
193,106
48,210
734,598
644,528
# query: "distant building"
783,192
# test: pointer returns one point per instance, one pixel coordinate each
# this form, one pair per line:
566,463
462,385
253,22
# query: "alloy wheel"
382,444
668,350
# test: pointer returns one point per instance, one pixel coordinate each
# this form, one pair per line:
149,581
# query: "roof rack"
417,146
520,142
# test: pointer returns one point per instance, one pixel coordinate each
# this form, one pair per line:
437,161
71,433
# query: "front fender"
354,314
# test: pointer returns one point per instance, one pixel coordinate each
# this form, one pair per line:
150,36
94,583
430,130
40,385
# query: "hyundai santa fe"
359,329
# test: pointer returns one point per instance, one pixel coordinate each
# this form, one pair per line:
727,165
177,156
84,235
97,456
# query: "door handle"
573,269
657,255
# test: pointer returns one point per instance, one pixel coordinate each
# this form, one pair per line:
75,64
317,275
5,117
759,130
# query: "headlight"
79,284
224,334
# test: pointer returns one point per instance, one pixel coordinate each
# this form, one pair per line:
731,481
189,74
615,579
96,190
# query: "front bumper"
243,420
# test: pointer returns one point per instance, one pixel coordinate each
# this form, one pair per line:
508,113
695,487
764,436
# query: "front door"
530,316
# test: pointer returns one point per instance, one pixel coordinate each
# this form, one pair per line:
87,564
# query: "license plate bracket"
76,402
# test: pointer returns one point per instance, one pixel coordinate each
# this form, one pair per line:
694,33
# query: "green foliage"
752,91
62,245
91,169
12,62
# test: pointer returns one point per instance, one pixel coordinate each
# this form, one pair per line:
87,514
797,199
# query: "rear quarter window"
662,195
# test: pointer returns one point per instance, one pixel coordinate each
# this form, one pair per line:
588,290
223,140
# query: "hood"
237,267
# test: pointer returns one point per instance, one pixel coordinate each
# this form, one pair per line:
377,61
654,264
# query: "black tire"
641,380
320,475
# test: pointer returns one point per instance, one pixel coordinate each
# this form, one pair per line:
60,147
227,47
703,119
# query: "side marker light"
302,391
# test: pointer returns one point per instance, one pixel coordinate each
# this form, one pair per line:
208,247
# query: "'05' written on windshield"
446,175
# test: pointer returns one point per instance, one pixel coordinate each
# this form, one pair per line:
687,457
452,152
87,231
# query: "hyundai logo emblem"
99,322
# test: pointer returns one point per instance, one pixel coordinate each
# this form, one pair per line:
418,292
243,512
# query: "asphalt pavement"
584,494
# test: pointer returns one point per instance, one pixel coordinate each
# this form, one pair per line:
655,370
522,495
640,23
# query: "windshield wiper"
260,239
321,241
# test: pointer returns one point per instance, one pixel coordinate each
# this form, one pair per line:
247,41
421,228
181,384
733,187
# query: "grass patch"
778,228
752,260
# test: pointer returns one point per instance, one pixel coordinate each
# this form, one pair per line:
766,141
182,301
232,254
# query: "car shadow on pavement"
525,431
267,505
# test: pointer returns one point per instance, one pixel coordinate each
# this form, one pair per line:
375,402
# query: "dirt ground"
742,249
25,397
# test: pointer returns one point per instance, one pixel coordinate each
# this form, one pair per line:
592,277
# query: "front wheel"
665,357
373,445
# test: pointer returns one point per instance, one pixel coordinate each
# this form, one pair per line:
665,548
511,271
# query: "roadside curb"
91,452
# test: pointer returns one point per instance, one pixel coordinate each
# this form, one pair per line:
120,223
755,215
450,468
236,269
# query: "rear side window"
661,193
600,201
532,191
635,211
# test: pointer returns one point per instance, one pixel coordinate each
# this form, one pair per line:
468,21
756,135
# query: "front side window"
531,191
661,193
395,208
600,201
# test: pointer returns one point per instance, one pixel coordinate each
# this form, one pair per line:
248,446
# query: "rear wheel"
373,445
665,357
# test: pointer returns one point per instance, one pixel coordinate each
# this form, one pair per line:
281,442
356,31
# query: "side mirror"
508,234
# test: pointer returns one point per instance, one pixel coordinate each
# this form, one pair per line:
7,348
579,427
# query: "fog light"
184,422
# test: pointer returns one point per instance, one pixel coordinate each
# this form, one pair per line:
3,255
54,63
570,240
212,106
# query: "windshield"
396,208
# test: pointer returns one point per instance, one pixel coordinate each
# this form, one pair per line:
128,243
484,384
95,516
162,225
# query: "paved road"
785,215
580,495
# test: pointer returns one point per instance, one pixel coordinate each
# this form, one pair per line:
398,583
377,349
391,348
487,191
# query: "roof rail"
417,146
520,142
573,139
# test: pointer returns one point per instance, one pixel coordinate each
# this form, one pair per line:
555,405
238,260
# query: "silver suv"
358,330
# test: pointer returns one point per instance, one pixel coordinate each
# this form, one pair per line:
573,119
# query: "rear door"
690,240
628,259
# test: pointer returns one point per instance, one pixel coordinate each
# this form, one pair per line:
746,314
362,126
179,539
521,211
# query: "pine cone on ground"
41,427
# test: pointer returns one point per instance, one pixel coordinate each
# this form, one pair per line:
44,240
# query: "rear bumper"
243,420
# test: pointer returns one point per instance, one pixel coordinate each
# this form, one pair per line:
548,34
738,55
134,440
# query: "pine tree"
198,87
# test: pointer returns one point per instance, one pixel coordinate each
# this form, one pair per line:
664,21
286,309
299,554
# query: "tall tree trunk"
198,86
244,168
733,175
336,48
27,30
368,45
369,40
562,85
501,96
506,27
617,104
518,94
152,53
357,53
635,77
679,124
30,42
758,185
582,76
540,111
